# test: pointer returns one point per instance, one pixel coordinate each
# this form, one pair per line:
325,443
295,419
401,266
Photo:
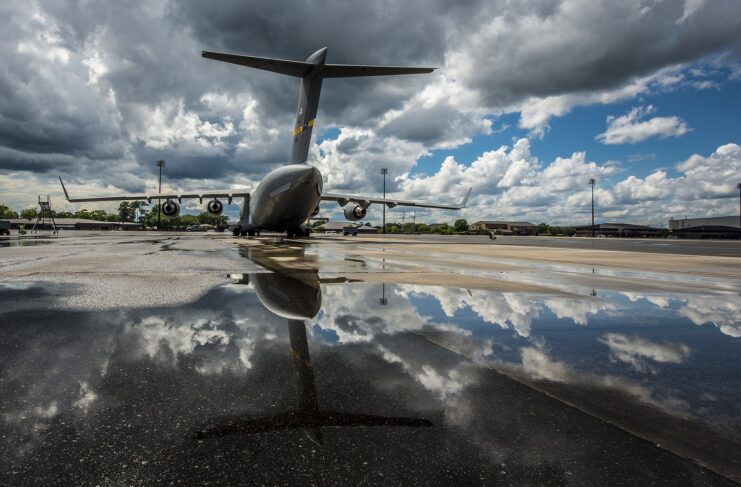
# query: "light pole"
384,171
160,164
591,182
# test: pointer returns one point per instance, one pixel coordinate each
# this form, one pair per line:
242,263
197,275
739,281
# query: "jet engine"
170,208
316,211
215,207
354,212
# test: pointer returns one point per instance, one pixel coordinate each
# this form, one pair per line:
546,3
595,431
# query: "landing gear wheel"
290,234
307,232
251,233
243,233
235,232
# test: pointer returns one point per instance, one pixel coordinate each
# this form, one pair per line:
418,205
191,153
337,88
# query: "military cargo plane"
289,195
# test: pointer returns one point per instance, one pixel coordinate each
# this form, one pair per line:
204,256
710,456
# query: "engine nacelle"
170,208
354,212
316,211
215,207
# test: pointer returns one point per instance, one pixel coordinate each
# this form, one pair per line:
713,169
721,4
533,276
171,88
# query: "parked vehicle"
195,228
4,227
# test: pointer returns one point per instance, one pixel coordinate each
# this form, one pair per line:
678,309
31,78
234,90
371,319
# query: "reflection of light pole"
383,301
591,182
739,209
160,164
384,171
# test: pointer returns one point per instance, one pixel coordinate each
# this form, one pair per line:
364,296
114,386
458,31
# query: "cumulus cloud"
633,127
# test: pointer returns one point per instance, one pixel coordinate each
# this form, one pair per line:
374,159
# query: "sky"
530,99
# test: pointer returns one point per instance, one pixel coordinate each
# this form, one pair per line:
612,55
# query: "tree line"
127,212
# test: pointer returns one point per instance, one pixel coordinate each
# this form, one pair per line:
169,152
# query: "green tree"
6,212
460,225
125,212
99,215
29,213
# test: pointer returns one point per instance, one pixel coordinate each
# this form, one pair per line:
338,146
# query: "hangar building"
506,228
74,224
714,227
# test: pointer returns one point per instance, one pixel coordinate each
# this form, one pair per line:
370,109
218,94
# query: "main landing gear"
241,232
299,232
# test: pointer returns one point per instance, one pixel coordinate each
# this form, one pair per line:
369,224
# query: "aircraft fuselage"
284,200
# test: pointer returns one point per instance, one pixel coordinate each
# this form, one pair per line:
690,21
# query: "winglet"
465,200
66,195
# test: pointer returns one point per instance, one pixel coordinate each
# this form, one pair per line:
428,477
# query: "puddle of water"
284,374
26,241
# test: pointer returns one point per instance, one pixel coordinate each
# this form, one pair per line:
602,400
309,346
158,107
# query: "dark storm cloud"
580,46
354,32
42,110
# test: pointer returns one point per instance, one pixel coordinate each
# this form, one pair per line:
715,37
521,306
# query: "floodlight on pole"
591,182
384,171
160,165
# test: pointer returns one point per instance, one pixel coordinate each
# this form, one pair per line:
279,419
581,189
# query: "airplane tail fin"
312,72
465,199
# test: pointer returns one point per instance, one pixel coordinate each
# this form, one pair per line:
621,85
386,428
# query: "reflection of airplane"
286,197
297,298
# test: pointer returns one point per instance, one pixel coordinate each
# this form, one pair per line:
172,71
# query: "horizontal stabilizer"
354,70
291,68
300,419
300,69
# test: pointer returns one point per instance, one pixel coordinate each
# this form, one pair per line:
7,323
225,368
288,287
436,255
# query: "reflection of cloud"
444,384
537,364
38,412
355,315
635,351
723,311
658,300
156,332
507,310
578,310
87,397
510,310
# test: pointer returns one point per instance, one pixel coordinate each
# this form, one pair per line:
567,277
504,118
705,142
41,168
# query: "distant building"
75,224
346,227
620,230
506,228
714,227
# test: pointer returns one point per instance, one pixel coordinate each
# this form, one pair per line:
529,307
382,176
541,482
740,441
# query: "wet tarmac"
130,358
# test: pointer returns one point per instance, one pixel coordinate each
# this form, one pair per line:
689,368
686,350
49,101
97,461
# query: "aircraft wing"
228,194
364,201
